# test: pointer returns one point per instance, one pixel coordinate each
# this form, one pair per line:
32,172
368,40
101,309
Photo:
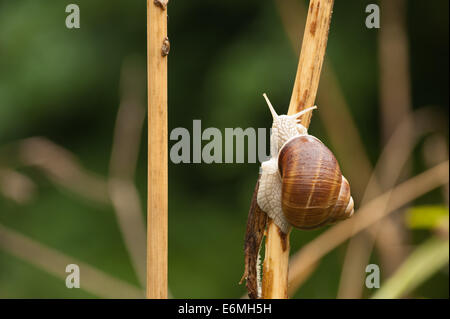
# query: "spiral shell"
314,192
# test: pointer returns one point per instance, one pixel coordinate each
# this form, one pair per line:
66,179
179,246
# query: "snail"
301,185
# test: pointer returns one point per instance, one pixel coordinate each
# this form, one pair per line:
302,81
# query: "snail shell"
314,192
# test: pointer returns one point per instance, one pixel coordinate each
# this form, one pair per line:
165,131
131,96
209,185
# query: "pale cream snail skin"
301,185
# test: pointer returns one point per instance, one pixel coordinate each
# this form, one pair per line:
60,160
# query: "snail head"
286,126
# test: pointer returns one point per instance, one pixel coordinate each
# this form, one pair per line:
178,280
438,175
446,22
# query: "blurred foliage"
64,84
423,262
427,216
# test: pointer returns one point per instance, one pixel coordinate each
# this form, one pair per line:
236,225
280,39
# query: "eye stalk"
285,127
272,110
309,109
295,116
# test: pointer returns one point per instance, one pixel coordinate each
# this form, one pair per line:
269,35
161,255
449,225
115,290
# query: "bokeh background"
73,143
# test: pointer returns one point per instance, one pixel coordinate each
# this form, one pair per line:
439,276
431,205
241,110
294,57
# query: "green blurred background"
65,87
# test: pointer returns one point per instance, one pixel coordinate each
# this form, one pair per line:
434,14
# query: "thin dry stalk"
54,262
395,105
394,65
16,186
125,150
129,121
435,150
395,90
157,50
311,58
366,216
62,168
421,264
296,279
389,167
275,268
126,202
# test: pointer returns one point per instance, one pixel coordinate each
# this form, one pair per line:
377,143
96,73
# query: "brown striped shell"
314,192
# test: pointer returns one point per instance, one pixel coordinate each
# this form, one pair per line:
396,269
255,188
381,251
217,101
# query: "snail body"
301,185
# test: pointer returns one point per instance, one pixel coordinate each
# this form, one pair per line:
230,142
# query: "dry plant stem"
276,262
296,279
421,264
395,105
394,65
62,167
366,216
393,159
16,186
130,119
125,150
311,57
54,262
157,152
435,150
275,268
395,90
